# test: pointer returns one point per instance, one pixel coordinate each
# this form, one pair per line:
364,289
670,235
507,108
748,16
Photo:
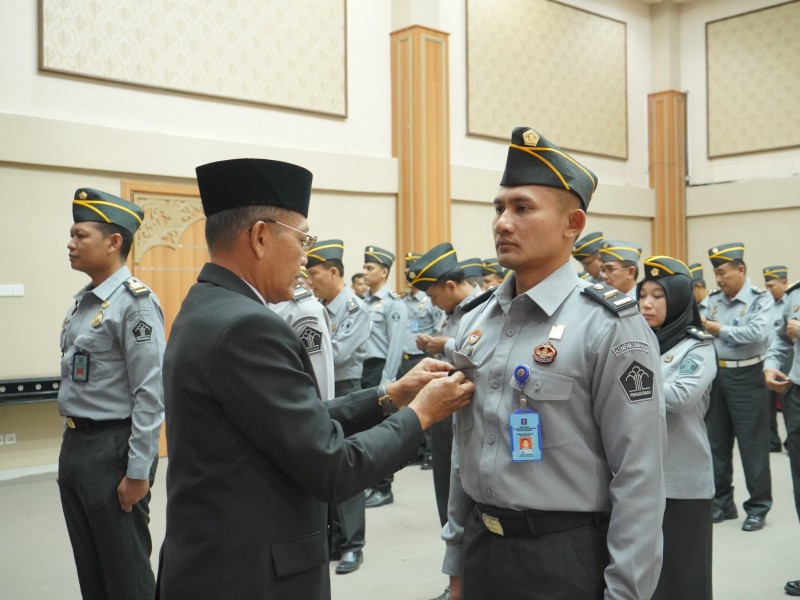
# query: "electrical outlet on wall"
10,438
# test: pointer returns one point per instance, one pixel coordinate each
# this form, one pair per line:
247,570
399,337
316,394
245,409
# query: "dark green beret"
696,270
656,267
587,245
410,258
472,267
611,250
725,253
100,207
535,160
776,272
433,264
492,267
253,181
373,254
325,250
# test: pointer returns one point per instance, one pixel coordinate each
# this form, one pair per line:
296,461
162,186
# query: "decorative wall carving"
556,68
290,54
165,220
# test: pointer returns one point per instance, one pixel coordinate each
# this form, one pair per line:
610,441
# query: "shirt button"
509,332
488,493
537,385
491,439
495,384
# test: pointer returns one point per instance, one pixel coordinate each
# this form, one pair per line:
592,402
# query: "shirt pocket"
547,394
103,361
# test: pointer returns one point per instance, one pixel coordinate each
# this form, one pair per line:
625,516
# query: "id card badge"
526,435
80,366
414,325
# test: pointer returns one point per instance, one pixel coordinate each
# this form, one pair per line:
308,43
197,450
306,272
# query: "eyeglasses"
609,269
306,243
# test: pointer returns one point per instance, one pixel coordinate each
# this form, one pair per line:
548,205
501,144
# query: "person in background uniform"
473,271
570,365
699,289
783,346
739,316
587,252
689,364
112,398
493,273
349,332
358,286
302,279
620,267
776,281
312,326
384,347
254,453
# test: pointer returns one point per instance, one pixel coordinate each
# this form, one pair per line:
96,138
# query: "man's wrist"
385,400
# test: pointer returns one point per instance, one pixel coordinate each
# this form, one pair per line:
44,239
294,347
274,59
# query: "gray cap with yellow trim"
432,265
325,250
535,160
492,267
588,245
472,267
725,253
776,272
100,207
656,267
612,250
696,270
410,258
373,254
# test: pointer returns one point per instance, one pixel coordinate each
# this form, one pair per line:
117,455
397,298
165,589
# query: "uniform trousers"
688,533
441,450
739,411
371,377
111,547
791,412
554,566
349,524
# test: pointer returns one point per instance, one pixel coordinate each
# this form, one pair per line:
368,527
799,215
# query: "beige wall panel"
754,81
290,54
39,428
506,88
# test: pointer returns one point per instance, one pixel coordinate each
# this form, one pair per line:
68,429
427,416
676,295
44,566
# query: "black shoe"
792,588
754,522
350,562
427,464
378,498
719,515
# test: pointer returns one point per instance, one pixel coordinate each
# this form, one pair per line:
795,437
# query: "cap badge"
411,274
370,249
530,137
83,195
715,250
545,353
474,337
654,272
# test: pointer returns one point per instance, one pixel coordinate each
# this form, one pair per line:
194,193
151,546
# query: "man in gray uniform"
699,288
776,282
473,271
349,332
493,273
620,267
384,347
423,318
558,488
587,252
784,345
739,316
112,348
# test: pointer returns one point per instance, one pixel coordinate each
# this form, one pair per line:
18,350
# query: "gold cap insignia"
370,249
411,274
715,250
654,272
83,195
530,137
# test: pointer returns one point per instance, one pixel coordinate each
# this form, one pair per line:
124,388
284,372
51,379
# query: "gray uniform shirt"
702,306
782,346
388,316
350,326
450,326
602,420
423,317
123,335
745,320
689,369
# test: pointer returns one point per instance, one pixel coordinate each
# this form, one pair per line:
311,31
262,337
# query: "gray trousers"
791,412
111,547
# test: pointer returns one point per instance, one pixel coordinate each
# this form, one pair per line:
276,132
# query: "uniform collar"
105,289
380,294
743,295
548,295
341,298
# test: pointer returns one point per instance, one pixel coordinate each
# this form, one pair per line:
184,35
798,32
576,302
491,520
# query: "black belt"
90,424
533,523
407,356
374,360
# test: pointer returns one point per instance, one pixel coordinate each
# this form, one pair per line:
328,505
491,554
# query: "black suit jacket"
255,455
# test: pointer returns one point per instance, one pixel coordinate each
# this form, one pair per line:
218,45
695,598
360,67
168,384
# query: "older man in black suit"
254,455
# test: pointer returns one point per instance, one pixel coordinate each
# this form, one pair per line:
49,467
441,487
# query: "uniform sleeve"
311,325
397,326
781,345
142,341
351,334
756,325
458,508
629,410
323,367
691,378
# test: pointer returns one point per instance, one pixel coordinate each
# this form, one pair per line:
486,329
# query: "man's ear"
576,221
114,242
257,239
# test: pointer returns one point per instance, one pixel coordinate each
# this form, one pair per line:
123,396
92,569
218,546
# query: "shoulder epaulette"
136,287
609,297
352,305
793,287
396,296
715,292
301,293
478,300
758,290
698,334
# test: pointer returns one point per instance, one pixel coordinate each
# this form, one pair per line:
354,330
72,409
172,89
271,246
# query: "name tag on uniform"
80,366
414,324
526,435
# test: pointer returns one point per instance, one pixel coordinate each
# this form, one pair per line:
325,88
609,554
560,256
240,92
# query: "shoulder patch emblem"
142,332
690,364
637,381
310,337
628,346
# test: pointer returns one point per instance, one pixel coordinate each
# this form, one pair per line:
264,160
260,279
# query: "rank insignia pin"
668,358
474,337
97,319
545,353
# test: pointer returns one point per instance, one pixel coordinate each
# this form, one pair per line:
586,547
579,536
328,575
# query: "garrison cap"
587,245
253,181
411,257
611,250
472,267
433,264
373,254
535,160
100,207
725,253
776,272
302,273
325,250
492,267
656,267
696,271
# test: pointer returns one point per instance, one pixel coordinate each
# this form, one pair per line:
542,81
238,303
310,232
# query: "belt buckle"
723,363
492,524
70,423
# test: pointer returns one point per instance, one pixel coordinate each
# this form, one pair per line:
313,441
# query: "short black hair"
354,277
455,275
108,229
335,262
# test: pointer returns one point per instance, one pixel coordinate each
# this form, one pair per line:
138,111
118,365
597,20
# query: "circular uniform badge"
545,353
474,337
